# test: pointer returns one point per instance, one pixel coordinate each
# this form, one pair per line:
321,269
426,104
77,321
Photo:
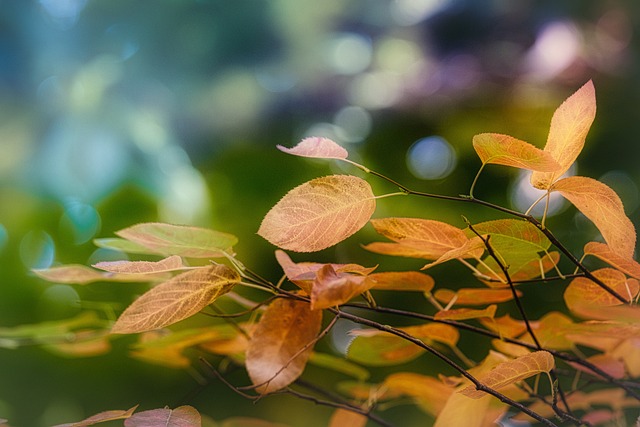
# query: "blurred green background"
117,112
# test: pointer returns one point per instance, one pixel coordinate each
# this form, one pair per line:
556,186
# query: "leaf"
331,288
102,417
342,417
605,253
319,213
473,248
552,331
182,416
466,313
569,127
474,296
583,295
81,275
281,344
84,343
604,208
513,236
506,326
176,299
174,262
494,148
339,364
317,147
461,411
512,371
43,331
123,245
186,241
519,268
401,281
429,393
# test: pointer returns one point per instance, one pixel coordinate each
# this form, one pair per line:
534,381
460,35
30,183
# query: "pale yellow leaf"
343,418
512,371
318,147
176,299
82,275
319,213
461,411
172,263
604,208
281,344
494,148
569,127
402,281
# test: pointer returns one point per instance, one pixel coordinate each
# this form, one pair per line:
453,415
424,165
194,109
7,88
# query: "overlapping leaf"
172,263
281,344
473,248
520,267
467,313
604,208
402,281
81,275
605,253
474,296
429,393
182,416
569,127
318,147
319,213
331,288
176,299
342,417
494,148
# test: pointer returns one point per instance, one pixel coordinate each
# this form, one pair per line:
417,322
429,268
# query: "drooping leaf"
182,416
281,344
583,295
102,417
605,253
81,275
466,313
186,241
473,248
402,281
342,417
429,393
319,213
569,127
494,148
519,268
318,147
604,208
172,263
474,296
331,288
512,371
338,364
176,299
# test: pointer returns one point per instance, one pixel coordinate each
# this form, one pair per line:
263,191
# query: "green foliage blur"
116,112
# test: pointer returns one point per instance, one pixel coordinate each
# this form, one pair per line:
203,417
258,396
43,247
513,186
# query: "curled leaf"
494,148
317,147
332,288
319,213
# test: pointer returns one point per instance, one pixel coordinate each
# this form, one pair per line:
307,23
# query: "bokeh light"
431,158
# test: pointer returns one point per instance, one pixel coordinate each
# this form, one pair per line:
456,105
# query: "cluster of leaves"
591,353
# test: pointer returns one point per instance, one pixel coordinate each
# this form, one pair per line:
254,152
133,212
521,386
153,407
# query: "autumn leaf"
604,208
342,417
124,245
319,213
520,267
182,416
176,299
338,364
81,275
172,263
505,326
473,248
466,313
569,127
461,411
474,296
401,281
317,147
552,331
83,343
186,241
605,253
429,393
281,344
331,288
494,148
512,371
102,417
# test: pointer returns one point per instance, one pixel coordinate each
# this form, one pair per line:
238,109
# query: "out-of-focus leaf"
339,364
466,313
84,343
172,263
628,351
402,281
494,148
605,253
249,422
102,417
81,275
474,296
317,147
462,411
176,299
342,418
429,393
182,416
512,371
319,213
186,241
281,344
124,245
552,331
569,127
604,208
612,366
45,331
505,325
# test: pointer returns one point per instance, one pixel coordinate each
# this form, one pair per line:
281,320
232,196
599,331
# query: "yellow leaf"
466,313
461,411
473,248
604,208
605,253
569,127
474,296
319,213
102,417
318,147
506,326
176,299
343,418
494,148
429,393
402,281
174,262
583,296
281,344
512,371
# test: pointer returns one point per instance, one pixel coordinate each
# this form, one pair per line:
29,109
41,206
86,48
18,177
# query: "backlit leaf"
429,393
466,313
512,235
505,326
402,281
45,331
84,343
318,147
172,263
610,365
512,371
461,411
186,241
552,331
331,288
473,248
281,344
176,299
319,213
182,416
519,268
123,245
583,294
474,296
494,148
605,253
569,127
81,275
604,208
342,417
102,417
338,364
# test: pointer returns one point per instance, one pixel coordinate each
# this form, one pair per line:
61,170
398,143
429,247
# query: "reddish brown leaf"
281,344
182,416
319,213
318,147
494,148
331,288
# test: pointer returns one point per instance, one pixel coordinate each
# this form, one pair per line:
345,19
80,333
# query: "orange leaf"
582,295
342,417
606,362
81,275
281,344
506,326
466,313
176,299
183,416
473,296
168,239
429,393
319,213
318,147
101,418
512,371
461,411
406,249
569,127
174,262
402,281
331,288
494,148
551,331
473,248
605,253
604,208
